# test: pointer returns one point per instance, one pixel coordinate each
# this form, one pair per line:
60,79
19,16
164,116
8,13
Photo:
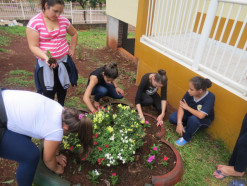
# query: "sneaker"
181,142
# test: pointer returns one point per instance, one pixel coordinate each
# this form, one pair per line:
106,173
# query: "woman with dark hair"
46,35
147,94
102,83
31,115
196,110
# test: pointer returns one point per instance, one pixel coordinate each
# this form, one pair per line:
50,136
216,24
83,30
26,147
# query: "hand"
180,129
60,169
142,118
96,105
119,90
71,52
52,65
184,104
61,160
160,120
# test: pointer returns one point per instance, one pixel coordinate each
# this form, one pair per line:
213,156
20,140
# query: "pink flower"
83,159
151,159
114,174
99,149
95,143
96,135
165,158
102,159
155,148
146,122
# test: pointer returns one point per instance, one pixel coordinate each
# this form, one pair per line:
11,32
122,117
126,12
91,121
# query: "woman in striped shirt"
47,32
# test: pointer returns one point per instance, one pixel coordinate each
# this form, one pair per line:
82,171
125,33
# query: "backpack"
3,116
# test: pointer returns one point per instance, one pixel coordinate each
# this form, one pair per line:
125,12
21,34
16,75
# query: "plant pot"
173,176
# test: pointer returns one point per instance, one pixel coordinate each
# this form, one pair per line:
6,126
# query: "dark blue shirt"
205,104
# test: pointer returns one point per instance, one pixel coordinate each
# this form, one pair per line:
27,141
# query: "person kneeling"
102,83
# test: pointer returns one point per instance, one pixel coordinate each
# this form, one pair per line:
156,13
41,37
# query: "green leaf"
10,181
79,168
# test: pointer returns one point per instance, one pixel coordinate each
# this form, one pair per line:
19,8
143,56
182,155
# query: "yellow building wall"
124,10
229,108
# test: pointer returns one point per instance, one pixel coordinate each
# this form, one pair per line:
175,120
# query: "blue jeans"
20,148
108,90
191,122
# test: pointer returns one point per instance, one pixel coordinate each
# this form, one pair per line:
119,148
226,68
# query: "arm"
74,38
139,110
196,113
140,91
33,43
162,115
49,156
180,127
87,94
118,90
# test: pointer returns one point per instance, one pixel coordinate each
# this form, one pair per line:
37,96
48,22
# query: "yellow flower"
110,129
142,121
95,126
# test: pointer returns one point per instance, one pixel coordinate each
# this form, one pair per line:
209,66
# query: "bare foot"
228,171
96,104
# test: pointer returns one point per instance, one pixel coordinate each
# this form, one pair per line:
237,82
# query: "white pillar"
205,33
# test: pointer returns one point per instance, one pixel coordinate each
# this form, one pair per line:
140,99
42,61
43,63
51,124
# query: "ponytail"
201,83
50,3
79,123
110,70
161,77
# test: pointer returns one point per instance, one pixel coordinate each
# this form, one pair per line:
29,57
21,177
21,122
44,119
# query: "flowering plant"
117,135
164,162
150,159
114,179
94,176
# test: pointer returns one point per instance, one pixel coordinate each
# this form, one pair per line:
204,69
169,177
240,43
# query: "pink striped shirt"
55,41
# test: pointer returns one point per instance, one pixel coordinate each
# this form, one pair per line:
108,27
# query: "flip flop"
237,183
220,173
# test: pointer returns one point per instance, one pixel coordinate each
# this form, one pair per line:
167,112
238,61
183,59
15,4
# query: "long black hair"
50,3
201,83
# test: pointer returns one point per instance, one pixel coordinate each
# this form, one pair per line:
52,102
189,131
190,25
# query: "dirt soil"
19,57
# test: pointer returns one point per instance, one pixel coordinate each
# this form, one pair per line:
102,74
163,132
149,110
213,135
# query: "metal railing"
207,36
24,11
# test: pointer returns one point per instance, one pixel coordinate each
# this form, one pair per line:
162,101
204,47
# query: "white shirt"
33,115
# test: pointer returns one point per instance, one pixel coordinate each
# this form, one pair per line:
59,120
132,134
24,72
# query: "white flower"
108,165
134,152
96,172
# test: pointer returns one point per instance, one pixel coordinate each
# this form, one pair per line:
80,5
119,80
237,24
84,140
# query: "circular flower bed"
117,136
121,139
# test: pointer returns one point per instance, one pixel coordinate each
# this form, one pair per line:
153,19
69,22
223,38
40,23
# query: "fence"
205,36
24,11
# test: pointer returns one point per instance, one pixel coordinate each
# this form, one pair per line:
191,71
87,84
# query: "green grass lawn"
200,156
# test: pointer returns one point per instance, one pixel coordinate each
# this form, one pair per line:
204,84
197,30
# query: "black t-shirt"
99,75
147,87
